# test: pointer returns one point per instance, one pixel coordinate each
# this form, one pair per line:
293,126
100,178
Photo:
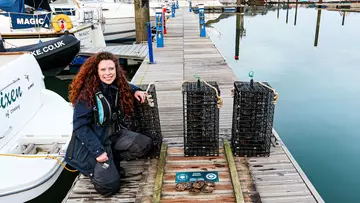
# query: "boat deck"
134,51
277,178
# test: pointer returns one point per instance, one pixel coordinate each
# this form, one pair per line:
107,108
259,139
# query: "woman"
102,98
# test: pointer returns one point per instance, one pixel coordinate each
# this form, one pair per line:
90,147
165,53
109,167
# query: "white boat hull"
119,17
35,123
121,29
35,190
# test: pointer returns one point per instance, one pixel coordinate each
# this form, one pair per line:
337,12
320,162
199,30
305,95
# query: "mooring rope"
39,156
276,95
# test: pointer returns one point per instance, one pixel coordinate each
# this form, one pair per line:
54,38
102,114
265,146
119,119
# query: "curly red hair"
87,82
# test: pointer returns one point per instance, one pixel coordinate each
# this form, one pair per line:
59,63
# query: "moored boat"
53,55
35,128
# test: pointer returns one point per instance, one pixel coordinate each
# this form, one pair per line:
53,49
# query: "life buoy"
61,22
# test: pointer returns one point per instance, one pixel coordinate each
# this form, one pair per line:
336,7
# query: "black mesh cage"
201,119
253,116
146,120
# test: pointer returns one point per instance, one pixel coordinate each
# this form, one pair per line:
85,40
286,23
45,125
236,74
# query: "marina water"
318,113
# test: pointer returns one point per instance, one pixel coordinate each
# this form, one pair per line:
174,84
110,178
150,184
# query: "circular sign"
182,177
211,176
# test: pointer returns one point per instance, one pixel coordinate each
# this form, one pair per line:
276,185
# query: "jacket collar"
107,87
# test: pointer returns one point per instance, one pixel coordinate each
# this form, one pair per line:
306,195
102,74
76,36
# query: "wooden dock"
134,51
274,179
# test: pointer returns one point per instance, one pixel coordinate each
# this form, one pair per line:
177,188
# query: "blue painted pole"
177,4
159,28
173,9
202,20
151,54
190,5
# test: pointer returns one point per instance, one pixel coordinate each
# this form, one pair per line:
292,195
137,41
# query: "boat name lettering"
48,48
85,33
30,21
6,98
23,21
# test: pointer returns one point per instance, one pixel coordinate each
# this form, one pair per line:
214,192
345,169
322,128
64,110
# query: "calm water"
318,112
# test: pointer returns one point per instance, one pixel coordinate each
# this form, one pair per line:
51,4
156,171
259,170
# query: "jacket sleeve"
134,88
81,126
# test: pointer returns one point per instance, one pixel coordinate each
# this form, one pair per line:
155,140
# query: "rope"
220,101
39,156
276,95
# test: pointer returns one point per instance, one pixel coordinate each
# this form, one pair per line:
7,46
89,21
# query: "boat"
35,129
42,29
53,55
19,28
119,17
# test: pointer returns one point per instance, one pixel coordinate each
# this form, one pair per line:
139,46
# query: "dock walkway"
133,51
274,179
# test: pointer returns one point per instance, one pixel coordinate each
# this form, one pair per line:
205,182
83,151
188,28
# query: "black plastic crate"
146,120
201,119
253,115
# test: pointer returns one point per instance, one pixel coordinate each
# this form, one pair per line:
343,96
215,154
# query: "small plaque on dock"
211,176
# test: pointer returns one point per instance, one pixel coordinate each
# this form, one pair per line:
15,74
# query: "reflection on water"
313,63
317,28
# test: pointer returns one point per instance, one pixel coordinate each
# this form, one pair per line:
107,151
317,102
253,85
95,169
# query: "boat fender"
61,22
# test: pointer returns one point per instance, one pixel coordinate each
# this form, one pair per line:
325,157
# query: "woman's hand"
102,158
140,96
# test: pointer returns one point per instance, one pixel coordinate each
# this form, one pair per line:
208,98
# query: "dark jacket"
88,139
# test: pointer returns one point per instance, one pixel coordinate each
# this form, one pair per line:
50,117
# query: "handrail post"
159,28
173,9
202,20
151,54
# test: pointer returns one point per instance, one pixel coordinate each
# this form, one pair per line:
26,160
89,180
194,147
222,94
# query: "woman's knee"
142,145
106,179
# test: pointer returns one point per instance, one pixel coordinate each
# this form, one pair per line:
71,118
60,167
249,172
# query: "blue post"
190,5
177,4
202,20
159,28
173,9
151,54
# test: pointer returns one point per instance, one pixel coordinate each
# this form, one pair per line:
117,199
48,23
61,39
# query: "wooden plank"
179,150
199,167
233,173
131,50
160,174
121,51
121,48
208,197
221,199
295,199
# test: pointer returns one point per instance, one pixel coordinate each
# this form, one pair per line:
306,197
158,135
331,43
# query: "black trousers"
125,145
129,145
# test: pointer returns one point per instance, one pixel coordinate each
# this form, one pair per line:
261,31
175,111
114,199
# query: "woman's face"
107,71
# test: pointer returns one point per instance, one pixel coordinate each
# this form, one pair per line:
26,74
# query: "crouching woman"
102,98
